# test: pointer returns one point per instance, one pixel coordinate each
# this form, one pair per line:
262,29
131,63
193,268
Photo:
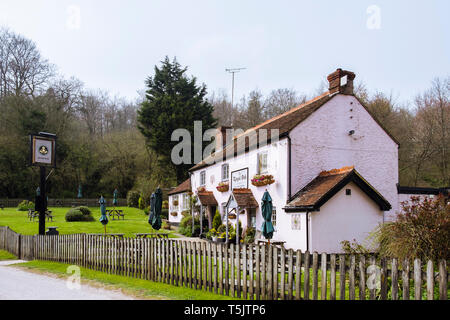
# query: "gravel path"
16,284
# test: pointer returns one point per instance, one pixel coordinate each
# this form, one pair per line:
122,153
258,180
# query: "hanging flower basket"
232,216
262,180
174,214
175,202
201,189
223,187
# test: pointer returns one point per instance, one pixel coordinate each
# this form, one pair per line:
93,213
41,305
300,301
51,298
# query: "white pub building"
331,171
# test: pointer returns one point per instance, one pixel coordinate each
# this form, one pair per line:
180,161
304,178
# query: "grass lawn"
5,255
136,287
135,222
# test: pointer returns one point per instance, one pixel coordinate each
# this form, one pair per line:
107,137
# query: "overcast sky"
392,46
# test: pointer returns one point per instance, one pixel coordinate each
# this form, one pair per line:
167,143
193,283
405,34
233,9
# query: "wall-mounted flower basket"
175,202
201,189
262,180
174,214
232,216
223,187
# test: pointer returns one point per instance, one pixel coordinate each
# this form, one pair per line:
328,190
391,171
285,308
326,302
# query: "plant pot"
174,214
214,239
232,216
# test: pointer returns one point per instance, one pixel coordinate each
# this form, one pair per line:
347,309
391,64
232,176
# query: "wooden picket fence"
247,271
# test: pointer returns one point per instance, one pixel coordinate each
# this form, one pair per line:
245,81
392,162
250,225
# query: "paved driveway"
16,284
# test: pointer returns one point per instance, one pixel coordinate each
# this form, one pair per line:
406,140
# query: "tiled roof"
327,184
207,198
183,187
284,123
244,198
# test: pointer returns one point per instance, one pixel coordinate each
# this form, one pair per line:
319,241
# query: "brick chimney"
221,137
341,81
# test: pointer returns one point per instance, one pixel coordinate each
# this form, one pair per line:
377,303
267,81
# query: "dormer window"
225,172
262,163
202,178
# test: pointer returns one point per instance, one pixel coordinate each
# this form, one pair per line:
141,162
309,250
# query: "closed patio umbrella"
103,219
155,208
80,194
115,196
266,210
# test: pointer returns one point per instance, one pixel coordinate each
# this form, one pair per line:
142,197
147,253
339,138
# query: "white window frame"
259,170
274,218
175,197
185,199
202,178
227,176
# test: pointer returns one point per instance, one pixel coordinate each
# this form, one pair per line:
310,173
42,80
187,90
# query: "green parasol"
266,210
80,194
115,196
155,209
103,219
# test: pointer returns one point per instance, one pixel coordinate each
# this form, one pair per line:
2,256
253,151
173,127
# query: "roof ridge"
332,172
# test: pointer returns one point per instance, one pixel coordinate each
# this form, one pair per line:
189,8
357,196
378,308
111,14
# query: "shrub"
25,205
141,203
249,236
217,220
79,214
147,210
421,230
165,213
186,226
133,198
354,248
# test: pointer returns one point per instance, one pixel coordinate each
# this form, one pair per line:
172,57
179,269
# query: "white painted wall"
277,166
343,218
322,142
179,209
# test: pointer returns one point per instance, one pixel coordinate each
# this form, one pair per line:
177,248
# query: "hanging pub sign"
239,179
43,150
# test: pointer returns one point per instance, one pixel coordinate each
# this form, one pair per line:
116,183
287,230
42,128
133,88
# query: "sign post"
43,151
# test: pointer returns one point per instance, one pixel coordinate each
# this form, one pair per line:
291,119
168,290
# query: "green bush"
79,214
421,230
186,226
249,236
217,220
133,198
141,203
25,205
165,213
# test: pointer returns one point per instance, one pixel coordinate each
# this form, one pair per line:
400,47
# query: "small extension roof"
327,184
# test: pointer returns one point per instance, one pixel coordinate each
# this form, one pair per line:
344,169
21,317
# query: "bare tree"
22,69
282,100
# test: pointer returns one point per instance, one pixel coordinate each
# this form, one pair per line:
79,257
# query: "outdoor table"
118,235
152,235
273,242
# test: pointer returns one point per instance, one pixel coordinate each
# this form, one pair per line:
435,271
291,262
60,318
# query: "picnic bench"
32,214
115,213
114,235
152,235
272,242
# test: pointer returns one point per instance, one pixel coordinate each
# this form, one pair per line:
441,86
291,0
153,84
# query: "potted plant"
174,213
223,186
221,237
262,180
213,234
201,189
232,216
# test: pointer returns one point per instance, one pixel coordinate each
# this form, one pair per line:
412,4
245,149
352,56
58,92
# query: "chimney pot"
341,81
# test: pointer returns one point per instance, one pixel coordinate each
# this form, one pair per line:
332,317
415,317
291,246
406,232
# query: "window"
225,172
274,218
185,205
262,162
202,178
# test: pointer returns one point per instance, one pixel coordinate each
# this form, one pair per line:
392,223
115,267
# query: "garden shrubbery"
25,205
79,214
133,198
421,230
